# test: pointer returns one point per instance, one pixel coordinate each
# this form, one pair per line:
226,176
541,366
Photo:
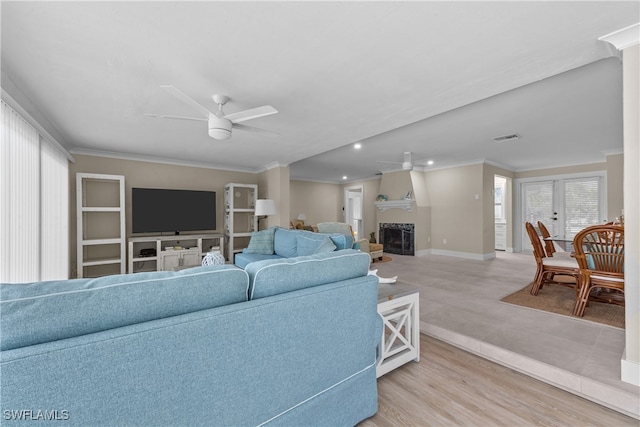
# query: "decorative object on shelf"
265,207
302,217
409,195
381,198
213,258
372,237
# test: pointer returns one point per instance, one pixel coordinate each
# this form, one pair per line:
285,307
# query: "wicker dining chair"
550,247
548,244
549,267
599,250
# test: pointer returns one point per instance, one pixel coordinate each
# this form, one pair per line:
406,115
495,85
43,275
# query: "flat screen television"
156,210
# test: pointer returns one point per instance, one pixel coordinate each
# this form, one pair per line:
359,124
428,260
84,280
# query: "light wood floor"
450,387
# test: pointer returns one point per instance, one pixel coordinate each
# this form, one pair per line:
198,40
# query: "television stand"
170,251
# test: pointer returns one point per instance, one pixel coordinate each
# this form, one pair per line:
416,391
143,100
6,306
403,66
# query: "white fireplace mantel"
407,204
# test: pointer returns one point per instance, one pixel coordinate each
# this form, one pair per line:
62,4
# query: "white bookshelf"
239,216
100,218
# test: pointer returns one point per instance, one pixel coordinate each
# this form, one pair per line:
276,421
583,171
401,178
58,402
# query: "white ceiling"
435,78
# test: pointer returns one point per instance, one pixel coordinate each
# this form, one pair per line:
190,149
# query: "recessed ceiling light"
430,162
357,146
344,177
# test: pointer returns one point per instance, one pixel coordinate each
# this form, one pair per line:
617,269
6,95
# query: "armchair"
373,249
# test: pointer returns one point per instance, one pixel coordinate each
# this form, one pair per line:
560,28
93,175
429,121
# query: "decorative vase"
372,237
213,258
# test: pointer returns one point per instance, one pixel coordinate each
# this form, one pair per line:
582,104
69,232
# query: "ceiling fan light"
219,129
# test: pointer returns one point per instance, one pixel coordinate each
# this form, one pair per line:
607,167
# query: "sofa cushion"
342,241
48,311
307,246
285,242
273,277
261,242
241,259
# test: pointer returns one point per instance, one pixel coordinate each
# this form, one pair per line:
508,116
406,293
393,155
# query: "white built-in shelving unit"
239,216
167,253
100,214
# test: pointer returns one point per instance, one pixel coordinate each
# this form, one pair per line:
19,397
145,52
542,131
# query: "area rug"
385,258
561,299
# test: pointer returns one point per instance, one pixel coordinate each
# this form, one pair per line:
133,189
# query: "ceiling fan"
220,124
408,163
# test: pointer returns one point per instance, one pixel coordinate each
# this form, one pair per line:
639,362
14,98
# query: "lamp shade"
265,207
302,217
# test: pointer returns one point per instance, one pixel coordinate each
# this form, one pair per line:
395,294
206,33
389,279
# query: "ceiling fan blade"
186,99
422,162
162,116
253,113
183,118
254,129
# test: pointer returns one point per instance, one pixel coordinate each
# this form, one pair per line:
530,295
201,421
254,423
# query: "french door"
565,205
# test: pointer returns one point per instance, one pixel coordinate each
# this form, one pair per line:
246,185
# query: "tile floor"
460,304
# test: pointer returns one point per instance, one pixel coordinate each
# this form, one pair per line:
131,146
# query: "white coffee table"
399,306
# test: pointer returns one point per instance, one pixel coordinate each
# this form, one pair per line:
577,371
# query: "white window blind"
581,204
34,204
54,213
538,201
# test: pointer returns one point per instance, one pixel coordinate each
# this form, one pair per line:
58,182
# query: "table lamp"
264,208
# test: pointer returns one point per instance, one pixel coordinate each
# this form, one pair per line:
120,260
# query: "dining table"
565,243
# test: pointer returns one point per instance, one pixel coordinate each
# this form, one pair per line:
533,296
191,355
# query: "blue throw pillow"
261,242
285,242
307,246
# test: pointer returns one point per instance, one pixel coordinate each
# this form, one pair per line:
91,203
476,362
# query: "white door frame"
356,224
518,225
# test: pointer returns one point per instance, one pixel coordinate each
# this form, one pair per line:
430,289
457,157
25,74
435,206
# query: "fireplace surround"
397,238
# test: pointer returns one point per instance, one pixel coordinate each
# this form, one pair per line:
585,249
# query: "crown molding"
15,106
623,38
272,165
149,159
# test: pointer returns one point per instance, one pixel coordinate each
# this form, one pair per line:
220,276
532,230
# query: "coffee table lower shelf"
398,305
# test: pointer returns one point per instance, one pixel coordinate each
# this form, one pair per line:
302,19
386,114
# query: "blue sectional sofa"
291,341
278,243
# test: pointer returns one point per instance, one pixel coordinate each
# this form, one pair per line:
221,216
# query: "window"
34,200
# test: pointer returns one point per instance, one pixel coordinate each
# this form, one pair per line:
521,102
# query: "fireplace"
397,238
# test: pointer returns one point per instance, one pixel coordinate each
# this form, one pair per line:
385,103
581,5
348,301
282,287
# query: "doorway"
500,196
353,207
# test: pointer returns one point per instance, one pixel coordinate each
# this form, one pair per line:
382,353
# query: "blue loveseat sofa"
284,342
277,243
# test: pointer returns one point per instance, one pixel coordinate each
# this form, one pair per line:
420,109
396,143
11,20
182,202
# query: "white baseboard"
466,255
630,372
